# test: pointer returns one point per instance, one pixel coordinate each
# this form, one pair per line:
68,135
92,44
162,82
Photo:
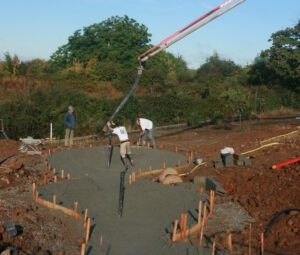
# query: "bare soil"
40,230
260,190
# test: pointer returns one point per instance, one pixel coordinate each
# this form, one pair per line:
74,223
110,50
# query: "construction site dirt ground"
258,189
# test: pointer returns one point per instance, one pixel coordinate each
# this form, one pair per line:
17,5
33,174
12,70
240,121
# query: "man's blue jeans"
150,134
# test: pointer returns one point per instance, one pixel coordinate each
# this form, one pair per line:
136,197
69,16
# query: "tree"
216,68
118,39
11,63
280,64
236,100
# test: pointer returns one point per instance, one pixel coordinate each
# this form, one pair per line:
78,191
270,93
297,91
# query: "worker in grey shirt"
147,129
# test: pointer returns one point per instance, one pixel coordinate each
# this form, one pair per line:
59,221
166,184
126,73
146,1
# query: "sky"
36,28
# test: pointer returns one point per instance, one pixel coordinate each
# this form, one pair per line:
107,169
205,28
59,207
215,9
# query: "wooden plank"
65,210
188,232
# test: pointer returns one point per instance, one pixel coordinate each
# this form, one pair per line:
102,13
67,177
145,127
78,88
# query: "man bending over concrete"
147,128
125,150
70,122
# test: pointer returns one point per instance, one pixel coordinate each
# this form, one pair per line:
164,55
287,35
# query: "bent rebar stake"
122,191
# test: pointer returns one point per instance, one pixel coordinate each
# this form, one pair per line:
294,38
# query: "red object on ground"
292,161
229,190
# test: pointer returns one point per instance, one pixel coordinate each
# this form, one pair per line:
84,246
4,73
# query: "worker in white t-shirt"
147,128
125,150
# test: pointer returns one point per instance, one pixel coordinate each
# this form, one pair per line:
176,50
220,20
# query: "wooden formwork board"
65,210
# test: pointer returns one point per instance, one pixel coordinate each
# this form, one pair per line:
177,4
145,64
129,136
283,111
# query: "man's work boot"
130,160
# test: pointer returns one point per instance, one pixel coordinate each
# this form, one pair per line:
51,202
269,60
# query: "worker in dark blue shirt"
70,122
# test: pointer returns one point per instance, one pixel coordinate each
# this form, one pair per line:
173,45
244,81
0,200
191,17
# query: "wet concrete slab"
150,208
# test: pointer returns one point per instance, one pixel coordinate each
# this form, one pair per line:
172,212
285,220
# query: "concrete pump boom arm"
193,26
180,34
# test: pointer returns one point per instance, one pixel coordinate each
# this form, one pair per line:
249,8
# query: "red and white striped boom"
193,26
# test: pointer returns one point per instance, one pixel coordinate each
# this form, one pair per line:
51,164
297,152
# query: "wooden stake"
133,177
178,162
45,179
49,151
262,242
212,198
33,189
101,243
150,168
49,168
229,240
83,249
53,171
164,165
75,209
175,230
201,190
148,145
88,230
45,163
85,216
202,228
199,212
181,225
68,176
54,202
55,179
130,179
214,247
184,225
140,172
37,197
176,148
62,176
250,237
204,214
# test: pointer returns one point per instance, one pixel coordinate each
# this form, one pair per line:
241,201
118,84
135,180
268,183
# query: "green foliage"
280,65
169,92
31,114
118,39
216,69
236,100
11,63
36,68
8,62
